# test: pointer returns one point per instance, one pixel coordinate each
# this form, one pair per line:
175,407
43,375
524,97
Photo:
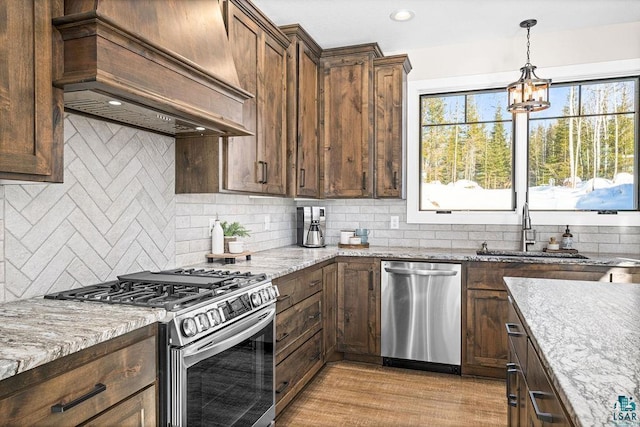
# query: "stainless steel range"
216,344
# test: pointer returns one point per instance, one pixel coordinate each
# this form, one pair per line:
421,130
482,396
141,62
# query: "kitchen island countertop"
587,335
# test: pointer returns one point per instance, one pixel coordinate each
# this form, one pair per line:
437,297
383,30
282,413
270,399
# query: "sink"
523,254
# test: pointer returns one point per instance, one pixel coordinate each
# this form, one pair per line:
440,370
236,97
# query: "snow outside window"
581,154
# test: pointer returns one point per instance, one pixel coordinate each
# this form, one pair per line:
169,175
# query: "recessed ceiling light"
402,15
199,128
114,102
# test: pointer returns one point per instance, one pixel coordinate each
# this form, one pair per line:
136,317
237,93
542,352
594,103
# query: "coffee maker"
311,226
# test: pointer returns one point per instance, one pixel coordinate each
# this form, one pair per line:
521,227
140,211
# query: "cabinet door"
347,126
31,139
272,147
390,92
308,183
486,339
329,309
359,308
241,169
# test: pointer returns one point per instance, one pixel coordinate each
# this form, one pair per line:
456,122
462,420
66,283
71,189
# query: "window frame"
564,74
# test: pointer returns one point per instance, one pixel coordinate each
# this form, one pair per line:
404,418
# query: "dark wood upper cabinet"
303,154
390,78
31,136
347,120
257,163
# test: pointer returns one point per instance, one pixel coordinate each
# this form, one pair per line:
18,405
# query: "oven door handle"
230,337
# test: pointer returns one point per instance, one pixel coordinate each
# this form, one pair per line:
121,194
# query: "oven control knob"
189,327
256,299
265,295
272,293
203,321
215,317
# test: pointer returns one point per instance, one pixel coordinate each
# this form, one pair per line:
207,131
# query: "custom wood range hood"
167,62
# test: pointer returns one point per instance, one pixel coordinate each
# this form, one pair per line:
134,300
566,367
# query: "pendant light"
529,93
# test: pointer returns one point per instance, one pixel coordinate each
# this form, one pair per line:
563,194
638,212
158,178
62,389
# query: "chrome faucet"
528,234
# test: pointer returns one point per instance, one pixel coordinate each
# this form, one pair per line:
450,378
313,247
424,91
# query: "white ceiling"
335,23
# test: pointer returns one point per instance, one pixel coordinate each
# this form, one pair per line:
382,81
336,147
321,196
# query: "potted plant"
232,231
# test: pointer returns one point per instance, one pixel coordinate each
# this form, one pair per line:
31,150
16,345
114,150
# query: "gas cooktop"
173,290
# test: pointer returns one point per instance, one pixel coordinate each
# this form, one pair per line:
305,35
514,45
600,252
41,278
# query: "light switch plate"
394,222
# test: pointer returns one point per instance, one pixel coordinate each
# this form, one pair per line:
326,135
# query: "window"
583,151
466,152
579,155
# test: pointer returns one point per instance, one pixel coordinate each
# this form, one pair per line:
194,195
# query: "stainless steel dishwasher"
420,313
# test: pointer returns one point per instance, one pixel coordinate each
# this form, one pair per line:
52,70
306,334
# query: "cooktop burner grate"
172,290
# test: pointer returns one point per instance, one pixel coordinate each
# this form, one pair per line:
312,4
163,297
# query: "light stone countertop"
587,335
285,260
36,331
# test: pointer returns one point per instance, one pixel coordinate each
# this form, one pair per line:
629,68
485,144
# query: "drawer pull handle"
283,387
282,337
511,332
314,316
314,283
545,417
61,407
283,297
512,368
315,357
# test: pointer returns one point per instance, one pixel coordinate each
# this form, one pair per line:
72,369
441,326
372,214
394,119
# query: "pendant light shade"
530,92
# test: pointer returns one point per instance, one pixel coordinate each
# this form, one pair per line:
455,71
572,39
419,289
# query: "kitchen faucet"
528,234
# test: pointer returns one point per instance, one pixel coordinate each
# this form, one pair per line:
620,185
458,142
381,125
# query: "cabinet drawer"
138,410
543,406
297,288
291,373
517,336
110,378
297,324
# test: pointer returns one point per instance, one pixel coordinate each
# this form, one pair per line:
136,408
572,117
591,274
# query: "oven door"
226,379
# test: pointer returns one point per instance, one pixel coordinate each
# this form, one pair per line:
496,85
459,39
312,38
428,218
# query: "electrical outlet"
211,222
267,223
394,223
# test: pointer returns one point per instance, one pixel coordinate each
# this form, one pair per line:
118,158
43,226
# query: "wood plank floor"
356,394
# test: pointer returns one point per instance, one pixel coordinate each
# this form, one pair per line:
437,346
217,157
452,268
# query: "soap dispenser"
567,239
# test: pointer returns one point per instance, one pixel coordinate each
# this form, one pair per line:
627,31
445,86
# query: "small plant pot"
236,247
227,240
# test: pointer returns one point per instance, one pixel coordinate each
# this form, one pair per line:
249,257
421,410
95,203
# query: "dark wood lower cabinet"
486,341
299,332
294,372
359,307
532,400
484,344
115,382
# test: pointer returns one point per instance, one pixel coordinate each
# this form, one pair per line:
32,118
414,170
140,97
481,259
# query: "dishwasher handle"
415,272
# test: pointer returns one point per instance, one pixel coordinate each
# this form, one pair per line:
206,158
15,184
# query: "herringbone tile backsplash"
114,213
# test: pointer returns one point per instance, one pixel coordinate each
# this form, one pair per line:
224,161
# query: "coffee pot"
314,235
